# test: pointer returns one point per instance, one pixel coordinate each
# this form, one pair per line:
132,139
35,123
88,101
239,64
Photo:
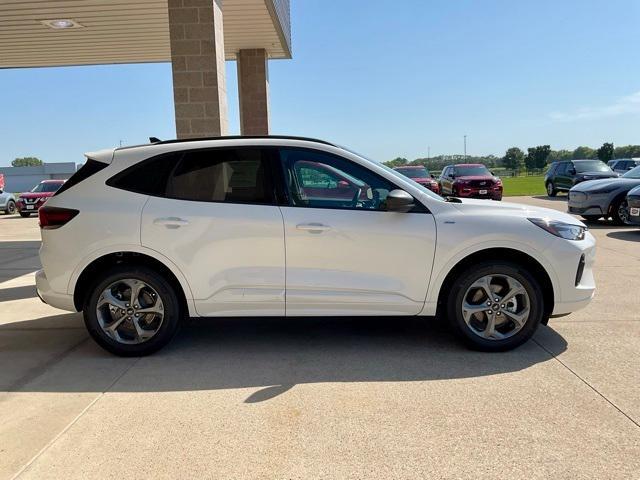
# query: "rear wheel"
10,208
551,189
132,311
495,306
620,212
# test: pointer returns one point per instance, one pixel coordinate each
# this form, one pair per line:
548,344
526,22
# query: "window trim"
269,158
285,198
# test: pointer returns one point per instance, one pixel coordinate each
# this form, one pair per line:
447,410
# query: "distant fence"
503,172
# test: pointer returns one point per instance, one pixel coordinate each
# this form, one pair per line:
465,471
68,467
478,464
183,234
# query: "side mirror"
572,171
399,201
343,184
452,175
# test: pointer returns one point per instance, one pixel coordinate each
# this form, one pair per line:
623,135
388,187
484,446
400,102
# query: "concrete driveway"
322,398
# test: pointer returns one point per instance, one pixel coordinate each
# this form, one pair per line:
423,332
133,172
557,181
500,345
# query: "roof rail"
242,137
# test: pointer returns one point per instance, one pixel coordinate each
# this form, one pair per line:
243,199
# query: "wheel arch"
126,257
500,253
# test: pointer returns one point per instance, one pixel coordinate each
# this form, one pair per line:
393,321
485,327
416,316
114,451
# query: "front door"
345,254
218,223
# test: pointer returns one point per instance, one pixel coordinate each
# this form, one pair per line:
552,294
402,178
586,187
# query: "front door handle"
171,222
313,227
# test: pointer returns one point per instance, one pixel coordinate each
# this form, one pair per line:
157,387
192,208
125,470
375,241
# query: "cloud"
622,106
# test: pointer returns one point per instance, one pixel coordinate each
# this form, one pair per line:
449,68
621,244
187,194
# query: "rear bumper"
62,301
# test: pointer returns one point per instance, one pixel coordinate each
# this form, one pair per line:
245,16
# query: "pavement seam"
73,422
587,383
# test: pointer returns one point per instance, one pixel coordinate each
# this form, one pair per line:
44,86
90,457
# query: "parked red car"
470,180
30,202
421,175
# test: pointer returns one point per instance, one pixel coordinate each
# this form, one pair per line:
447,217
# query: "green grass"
527,185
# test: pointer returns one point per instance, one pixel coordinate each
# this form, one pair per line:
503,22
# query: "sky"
384,78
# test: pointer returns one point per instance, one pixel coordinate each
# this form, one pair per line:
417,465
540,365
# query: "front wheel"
495,306
132,311
620,212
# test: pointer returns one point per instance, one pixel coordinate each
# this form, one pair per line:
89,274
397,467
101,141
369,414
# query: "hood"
36,194
598,174
604,183
476,177
488,207
423,179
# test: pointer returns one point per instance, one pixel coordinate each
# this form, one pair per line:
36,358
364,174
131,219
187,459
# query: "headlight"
567,231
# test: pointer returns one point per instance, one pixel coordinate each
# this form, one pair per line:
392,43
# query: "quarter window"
321,180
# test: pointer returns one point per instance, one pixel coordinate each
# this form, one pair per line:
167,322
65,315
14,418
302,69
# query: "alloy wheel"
11,208
623,213
496,307
130,311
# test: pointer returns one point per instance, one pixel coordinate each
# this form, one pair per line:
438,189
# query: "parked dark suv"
561,176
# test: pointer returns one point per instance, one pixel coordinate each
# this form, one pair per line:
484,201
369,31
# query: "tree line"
535,158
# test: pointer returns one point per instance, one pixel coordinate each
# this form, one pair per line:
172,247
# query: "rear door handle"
313,227
171,222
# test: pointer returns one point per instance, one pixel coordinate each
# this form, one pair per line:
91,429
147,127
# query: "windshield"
471,170
396,174
591,166
46,187
633,173
421,172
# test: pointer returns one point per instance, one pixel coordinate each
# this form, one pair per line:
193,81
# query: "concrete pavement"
322,398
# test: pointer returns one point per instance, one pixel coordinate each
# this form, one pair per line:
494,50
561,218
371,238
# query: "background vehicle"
623,165
419,174
470,180
604,198
140,237
633,201
562,176
30,202
7,202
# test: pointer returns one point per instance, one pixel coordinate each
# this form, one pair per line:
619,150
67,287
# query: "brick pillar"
253,90
197,59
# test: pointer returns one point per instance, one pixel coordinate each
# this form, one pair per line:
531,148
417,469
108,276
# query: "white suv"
143,236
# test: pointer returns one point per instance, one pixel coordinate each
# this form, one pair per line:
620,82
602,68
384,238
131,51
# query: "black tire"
25,214
467,278
168,327
10,209
591,218
551,189
619,212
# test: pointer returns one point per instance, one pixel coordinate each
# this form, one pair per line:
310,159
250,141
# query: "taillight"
55,217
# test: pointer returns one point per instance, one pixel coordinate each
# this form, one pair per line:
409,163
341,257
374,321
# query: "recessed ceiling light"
61,23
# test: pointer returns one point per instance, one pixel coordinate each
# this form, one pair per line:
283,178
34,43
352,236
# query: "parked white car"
142,236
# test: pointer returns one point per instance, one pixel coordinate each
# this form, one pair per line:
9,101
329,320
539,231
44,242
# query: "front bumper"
580,203
565,256
633,202
62,301
493,193
21,206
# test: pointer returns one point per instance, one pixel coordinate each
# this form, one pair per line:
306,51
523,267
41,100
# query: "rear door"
347,255
216,219
562,178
